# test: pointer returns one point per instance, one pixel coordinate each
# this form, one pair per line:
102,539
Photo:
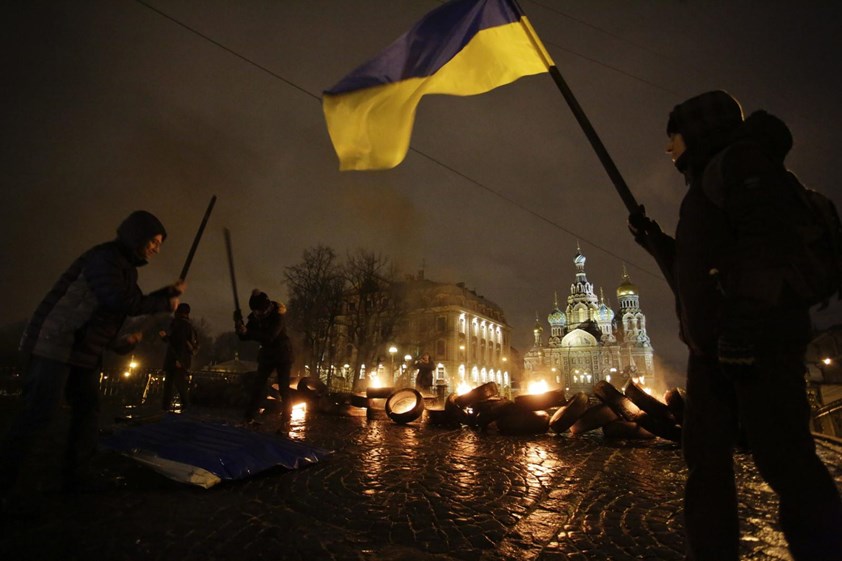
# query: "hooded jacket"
82,314
728,258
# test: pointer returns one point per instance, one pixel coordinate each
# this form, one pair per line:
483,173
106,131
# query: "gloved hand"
238,316
641,226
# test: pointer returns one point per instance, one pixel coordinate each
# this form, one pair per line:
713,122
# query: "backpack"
816,222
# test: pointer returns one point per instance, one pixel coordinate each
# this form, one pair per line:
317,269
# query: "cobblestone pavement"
394,492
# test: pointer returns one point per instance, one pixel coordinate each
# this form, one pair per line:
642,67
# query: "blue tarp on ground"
176,444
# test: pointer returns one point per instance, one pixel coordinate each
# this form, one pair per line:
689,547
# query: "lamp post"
392,350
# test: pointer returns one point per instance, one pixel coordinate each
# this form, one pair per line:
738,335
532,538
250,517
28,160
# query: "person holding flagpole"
746,328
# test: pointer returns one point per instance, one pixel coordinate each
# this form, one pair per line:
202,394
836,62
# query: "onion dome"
557,317
626,287
604,314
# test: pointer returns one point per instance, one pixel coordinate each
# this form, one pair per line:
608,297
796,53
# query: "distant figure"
183,343
424,377
746,327
265,324
78,319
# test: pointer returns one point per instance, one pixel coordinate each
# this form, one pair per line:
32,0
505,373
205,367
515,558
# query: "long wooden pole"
237,313
196,239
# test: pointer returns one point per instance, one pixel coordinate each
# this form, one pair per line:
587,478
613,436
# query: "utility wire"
423,154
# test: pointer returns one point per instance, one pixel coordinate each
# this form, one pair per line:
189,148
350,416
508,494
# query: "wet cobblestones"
399,492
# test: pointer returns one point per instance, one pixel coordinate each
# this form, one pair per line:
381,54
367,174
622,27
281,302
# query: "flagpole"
619,183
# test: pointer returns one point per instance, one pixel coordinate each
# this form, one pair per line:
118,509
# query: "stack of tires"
632,413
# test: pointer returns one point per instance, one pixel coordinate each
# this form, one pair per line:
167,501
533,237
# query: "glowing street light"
392,350
132,366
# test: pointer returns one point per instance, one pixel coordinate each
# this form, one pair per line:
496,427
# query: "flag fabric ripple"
464,47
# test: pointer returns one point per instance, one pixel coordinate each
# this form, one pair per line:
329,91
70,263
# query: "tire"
619,403
479,393
522,422
405,406
311,384
649,404
567,414
378,403
594,417
490,410
358,400
541,401
456,413
625,429
441,417
379,392
657,417
675,401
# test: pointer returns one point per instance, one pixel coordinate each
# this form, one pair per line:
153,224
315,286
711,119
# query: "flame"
537,386
299,411
374,382
463,388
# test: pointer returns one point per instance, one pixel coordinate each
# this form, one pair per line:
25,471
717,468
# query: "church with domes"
588,341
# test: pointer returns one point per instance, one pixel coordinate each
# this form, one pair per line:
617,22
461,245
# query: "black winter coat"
270,332
182,343
728,263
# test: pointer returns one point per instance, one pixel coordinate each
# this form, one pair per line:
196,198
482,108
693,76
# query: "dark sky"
110,106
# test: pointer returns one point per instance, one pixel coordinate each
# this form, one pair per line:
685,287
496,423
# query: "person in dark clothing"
746,328
424,377
183,343
78,319
265,324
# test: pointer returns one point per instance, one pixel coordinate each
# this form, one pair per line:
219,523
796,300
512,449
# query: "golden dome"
626,287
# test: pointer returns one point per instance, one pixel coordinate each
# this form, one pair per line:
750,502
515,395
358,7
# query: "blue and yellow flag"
465,47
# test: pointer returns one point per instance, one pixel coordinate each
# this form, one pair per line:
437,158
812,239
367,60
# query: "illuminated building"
465,333
589,341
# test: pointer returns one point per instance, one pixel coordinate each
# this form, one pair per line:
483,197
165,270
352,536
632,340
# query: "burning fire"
299,411
537,387
463,388
374,382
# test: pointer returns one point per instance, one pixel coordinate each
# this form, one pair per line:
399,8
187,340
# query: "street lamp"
132,366
392,350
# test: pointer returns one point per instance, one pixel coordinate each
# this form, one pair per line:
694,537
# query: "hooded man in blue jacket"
78,319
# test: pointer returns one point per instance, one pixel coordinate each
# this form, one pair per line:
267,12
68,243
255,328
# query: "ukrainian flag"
464,47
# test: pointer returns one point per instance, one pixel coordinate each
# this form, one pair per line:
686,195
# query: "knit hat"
183,309
258,300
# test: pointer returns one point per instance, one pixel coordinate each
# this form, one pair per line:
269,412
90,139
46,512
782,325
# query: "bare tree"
374,306
315,287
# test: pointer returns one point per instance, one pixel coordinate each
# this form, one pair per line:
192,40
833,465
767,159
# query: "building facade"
589,341
465,334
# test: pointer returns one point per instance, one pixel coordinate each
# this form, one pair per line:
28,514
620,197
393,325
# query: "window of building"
441,324
441,349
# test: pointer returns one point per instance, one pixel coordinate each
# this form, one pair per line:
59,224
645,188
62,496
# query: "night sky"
111,106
